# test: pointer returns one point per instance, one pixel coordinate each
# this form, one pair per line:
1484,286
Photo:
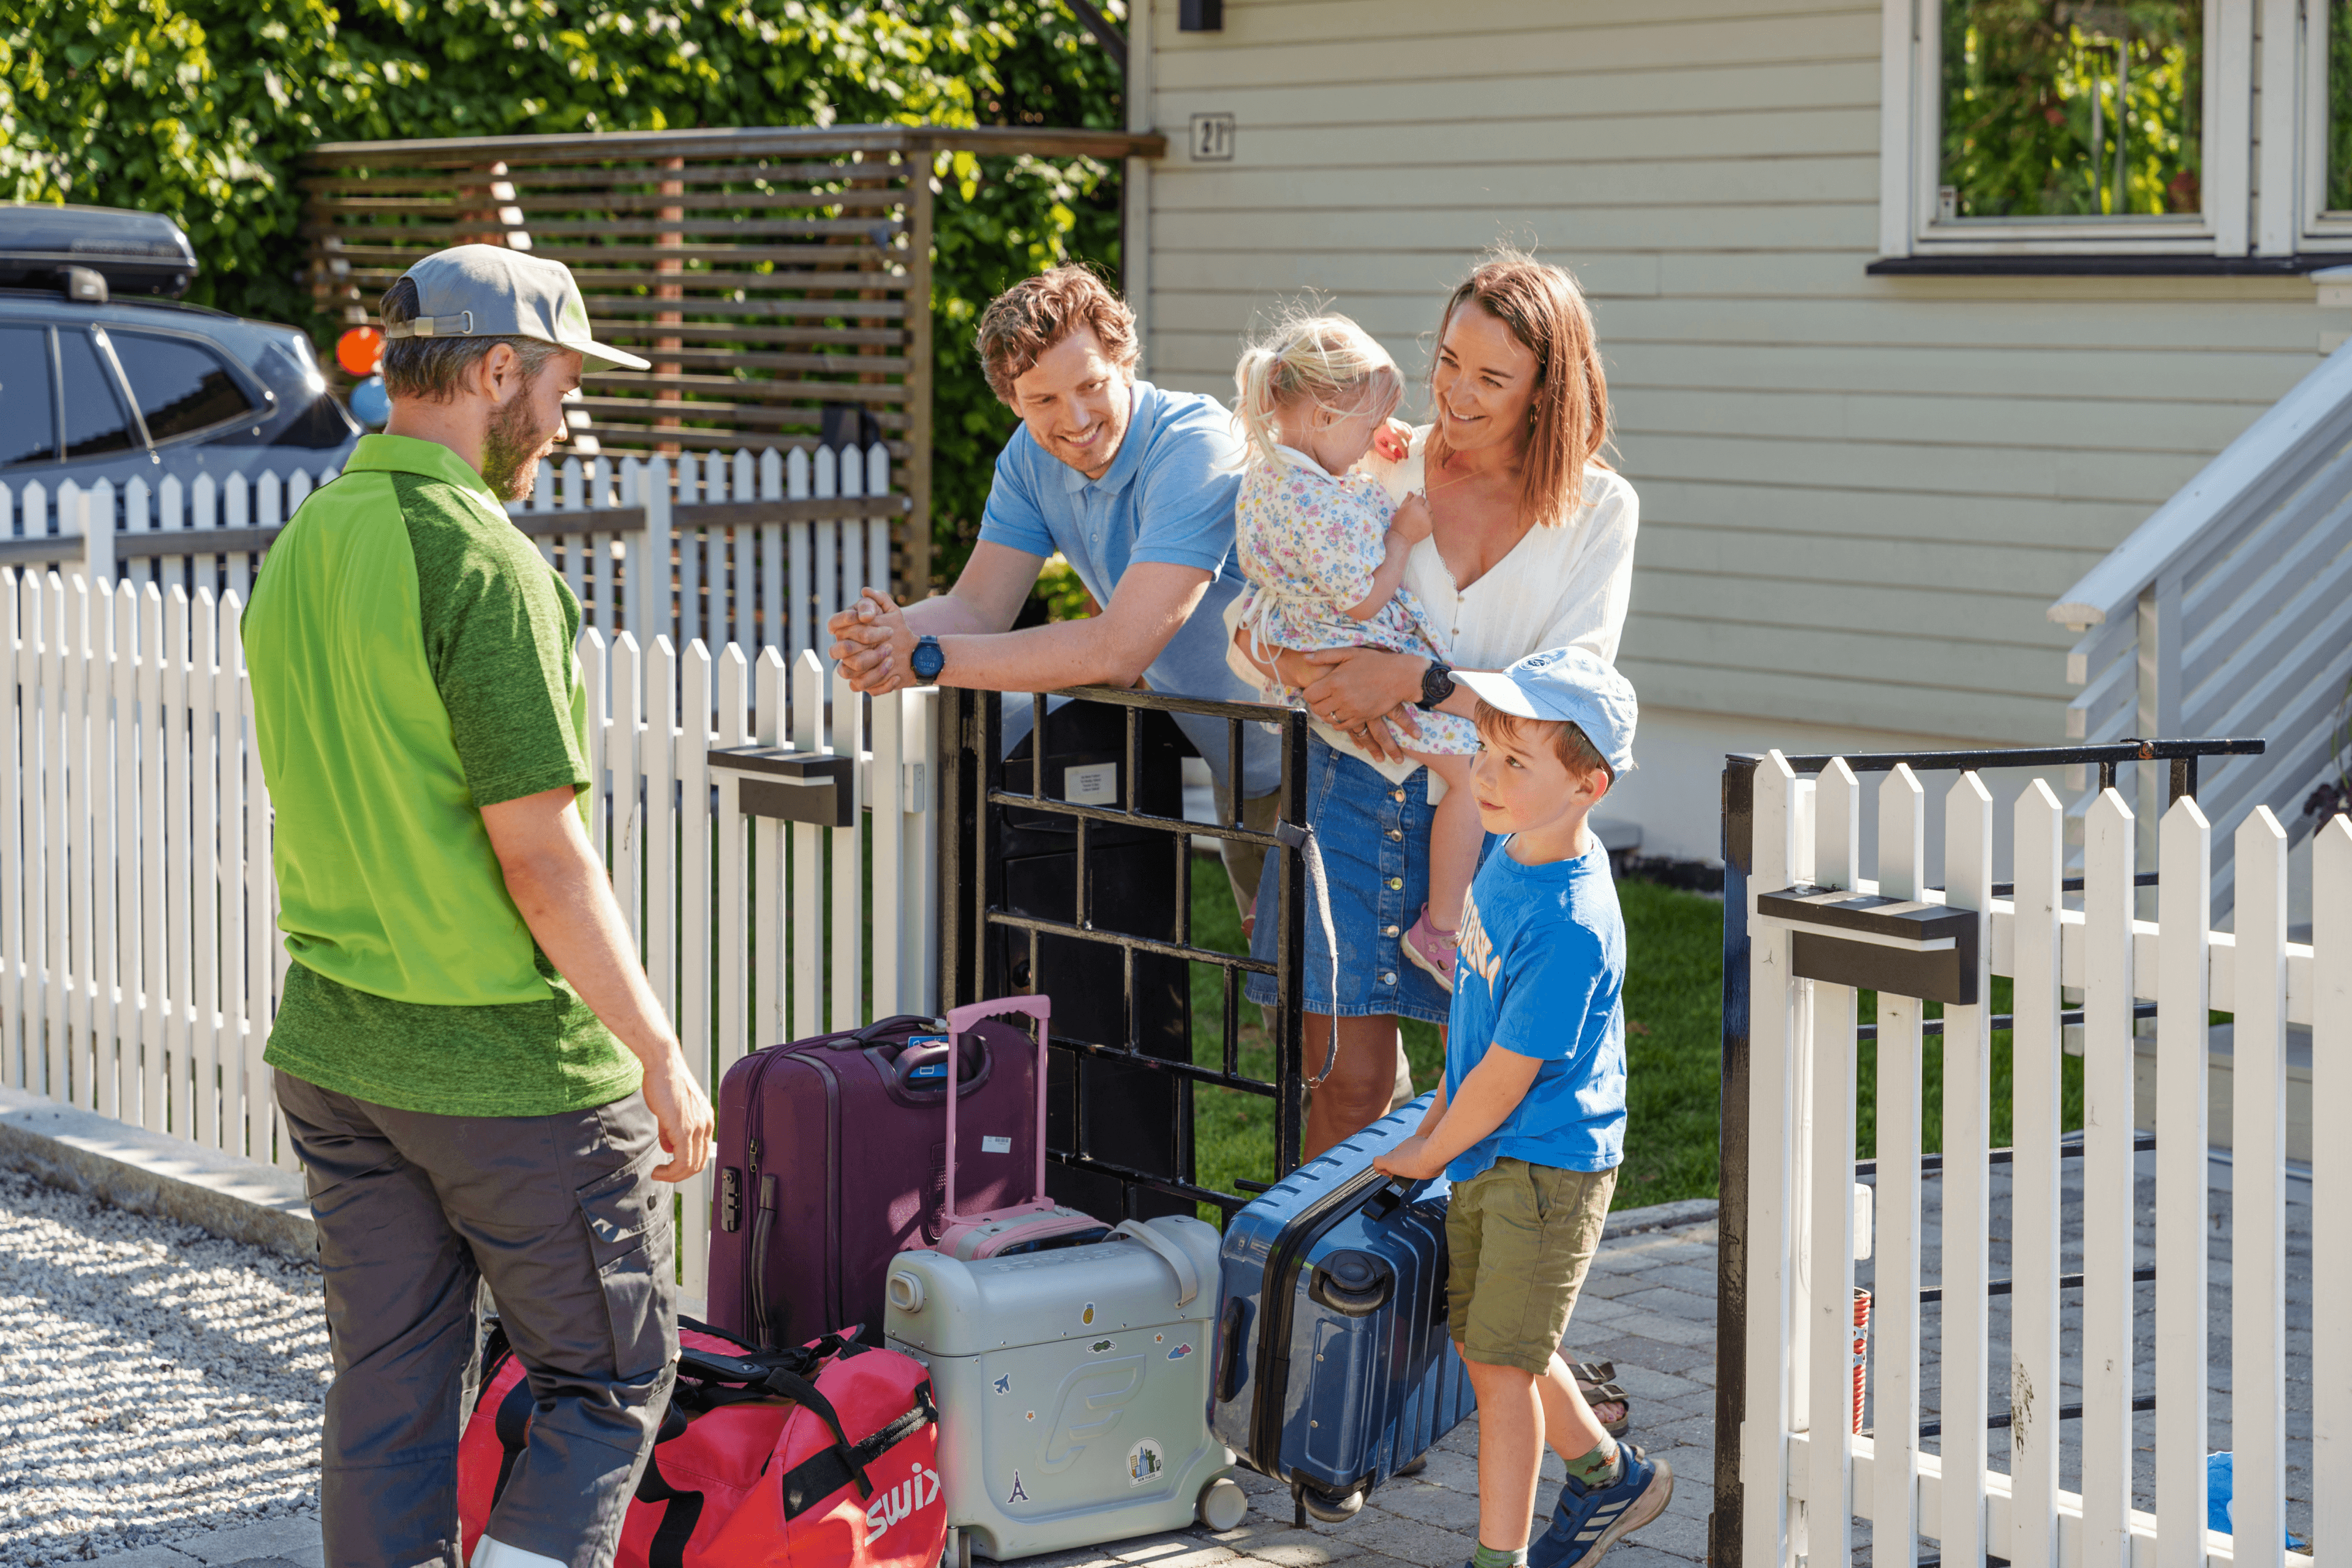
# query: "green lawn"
1673,1008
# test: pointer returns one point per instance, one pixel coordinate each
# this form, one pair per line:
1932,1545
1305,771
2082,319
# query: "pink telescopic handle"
1040,1008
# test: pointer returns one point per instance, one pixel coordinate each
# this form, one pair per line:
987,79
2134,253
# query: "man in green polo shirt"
480,1081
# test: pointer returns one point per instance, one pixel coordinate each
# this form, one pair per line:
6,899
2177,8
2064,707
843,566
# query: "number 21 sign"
1213,138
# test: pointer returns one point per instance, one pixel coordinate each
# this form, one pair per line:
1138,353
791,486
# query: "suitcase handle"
1040,1010
876,1030
1188,1278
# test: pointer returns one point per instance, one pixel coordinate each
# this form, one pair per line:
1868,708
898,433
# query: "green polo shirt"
412,662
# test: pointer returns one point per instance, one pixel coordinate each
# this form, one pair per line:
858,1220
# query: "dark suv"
105,376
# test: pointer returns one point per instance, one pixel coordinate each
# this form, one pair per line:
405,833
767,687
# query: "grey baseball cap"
488,290
1566,683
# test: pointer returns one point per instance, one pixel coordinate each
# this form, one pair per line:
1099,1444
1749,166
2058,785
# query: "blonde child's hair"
1327,360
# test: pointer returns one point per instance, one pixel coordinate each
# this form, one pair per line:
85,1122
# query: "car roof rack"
91,252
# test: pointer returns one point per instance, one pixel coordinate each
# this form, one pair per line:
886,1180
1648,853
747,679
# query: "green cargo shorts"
1520,1238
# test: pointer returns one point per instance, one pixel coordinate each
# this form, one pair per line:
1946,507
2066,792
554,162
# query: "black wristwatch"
1436,683
928,660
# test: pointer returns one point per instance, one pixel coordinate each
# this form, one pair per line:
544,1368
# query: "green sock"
1497,1557
1604,1467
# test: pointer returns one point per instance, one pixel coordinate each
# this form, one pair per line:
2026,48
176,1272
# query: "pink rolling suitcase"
1015,1228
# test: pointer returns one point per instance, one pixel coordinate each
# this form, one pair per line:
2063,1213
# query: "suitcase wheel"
1224,1504
1331,1510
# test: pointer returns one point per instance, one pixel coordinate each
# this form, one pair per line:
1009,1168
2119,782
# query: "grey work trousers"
558,1214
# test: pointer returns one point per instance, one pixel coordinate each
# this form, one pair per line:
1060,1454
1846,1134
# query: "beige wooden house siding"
1858,494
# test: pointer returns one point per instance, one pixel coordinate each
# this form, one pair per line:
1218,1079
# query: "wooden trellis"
778,277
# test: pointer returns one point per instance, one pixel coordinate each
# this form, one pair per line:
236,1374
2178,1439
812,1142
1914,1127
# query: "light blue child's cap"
1571,684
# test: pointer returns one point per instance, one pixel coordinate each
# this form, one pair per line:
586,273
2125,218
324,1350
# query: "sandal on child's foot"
1430,949
1590,1519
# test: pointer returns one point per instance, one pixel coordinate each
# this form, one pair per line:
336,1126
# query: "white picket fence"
750,549
1806,1475
140,962
753,566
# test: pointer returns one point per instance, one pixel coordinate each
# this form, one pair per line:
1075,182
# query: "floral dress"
1309,543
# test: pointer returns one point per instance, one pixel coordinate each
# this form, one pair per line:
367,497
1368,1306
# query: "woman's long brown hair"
1545,312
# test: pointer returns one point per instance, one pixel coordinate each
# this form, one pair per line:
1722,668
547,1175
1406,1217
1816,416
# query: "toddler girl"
1324,550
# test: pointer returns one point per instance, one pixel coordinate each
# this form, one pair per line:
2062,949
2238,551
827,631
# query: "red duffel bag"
823,1456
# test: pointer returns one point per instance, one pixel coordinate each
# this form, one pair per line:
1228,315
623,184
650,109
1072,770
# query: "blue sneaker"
1590,1519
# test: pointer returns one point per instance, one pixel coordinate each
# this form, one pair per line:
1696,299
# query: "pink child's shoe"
1431,949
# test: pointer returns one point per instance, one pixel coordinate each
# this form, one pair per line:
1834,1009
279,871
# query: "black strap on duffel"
711,1380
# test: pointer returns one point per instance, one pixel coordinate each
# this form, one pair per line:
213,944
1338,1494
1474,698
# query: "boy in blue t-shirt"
1529,1124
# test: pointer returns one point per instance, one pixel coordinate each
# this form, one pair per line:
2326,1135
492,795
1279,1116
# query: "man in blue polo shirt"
1135,485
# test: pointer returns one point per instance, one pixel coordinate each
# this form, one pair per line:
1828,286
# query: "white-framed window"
2098,129
2321,124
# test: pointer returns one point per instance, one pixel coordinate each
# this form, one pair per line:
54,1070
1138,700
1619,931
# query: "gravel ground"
156,1382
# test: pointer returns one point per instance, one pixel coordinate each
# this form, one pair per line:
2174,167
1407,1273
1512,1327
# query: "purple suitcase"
832,1158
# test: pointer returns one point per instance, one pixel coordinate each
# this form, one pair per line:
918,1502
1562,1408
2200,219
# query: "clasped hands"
872,643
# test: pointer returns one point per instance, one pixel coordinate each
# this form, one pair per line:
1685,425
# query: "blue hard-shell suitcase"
1333,1366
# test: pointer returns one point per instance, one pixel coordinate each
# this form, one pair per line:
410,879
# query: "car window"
28,422
180,386
96,420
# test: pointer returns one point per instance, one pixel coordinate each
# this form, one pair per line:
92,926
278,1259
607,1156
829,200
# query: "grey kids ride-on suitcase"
1073,1388
1334,1368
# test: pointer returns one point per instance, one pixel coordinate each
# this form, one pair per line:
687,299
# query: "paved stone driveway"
1648,1305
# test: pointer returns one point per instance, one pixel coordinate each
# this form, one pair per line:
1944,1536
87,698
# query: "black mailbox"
815,787
1878,943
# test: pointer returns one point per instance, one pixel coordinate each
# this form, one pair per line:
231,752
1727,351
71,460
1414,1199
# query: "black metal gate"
1067,868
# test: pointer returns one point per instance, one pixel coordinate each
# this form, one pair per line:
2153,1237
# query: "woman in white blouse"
1532,547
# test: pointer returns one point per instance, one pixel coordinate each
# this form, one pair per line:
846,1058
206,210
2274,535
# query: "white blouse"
1558,586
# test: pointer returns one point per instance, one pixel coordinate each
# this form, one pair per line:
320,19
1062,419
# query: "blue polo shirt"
1167,497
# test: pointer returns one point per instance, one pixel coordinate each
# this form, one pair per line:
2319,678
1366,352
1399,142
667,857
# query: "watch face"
927,660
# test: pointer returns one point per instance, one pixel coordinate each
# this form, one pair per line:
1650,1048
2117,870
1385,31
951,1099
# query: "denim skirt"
1374,837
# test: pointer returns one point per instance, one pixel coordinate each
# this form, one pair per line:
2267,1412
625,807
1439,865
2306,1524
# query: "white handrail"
2316,415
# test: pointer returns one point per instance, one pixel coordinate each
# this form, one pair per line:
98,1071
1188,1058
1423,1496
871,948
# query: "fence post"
695,976
886,797
2184,905
1829,1488
772,890
798,584
15,846
920,826
1968,1209
97,529
52,930
849,947
649,569
806,923
1895,1311
2035,1356
2109,1207
2258,1176
1771,1018
2331,1172
1724,1521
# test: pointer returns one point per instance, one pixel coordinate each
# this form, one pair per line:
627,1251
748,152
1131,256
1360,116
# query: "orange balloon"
360,351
